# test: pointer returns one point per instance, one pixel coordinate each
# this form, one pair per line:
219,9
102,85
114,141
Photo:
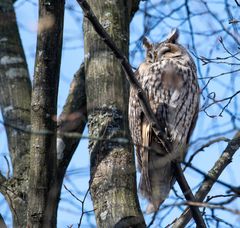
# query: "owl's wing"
192,126
135,114
142,134
196,109
146,143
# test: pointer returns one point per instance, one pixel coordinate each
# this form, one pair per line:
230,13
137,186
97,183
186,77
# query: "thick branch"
211,178
43,114
188,194
133,7
73,120
156,126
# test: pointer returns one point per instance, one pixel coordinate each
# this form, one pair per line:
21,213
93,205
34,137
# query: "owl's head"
166,49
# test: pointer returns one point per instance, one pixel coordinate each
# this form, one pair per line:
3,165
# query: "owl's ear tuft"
146,43
173,36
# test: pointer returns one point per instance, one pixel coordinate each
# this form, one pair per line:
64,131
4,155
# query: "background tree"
215,44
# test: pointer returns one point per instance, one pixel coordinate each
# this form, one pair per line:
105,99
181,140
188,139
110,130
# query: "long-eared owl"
168,77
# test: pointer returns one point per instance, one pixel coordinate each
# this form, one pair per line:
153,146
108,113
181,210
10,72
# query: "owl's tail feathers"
157,184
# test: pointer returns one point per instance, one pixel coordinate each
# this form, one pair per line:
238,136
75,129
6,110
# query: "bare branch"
71,124
83,211
2,222
188,194
72,119
209,143
2,180
43,161
213,175
237,2
231,187
8,167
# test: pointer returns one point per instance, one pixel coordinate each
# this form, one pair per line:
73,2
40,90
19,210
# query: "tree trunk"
43,160
113,177
15,98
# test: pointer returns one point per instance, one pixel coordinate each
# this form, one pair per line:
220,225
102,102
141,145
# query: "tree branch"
72,119
2,181
156,126
238,4
43,159
2,222
211,178
188,194
133,7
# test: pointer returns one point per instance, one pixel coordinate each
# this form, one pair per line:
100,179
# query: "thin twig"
8,165
237,3
209,143
74,196
83,211
207,176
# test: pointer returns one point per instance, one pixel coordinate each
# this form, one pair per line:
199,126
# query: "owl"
169,79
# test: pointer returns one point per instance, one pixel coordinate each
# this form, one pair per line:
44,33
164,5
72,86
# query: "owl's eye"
152,56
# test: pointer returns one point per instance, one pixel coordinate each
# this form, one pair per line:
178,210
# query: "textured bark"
72,119
15,96
71,124
41,212
113,179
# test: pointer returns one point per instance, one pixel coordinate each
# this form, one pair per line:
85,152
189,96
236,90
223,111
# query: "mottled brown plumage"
168,77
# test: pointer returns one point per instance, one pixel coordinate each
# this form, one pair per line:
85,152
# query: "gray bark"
71,124
15,98
41,207
113,179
